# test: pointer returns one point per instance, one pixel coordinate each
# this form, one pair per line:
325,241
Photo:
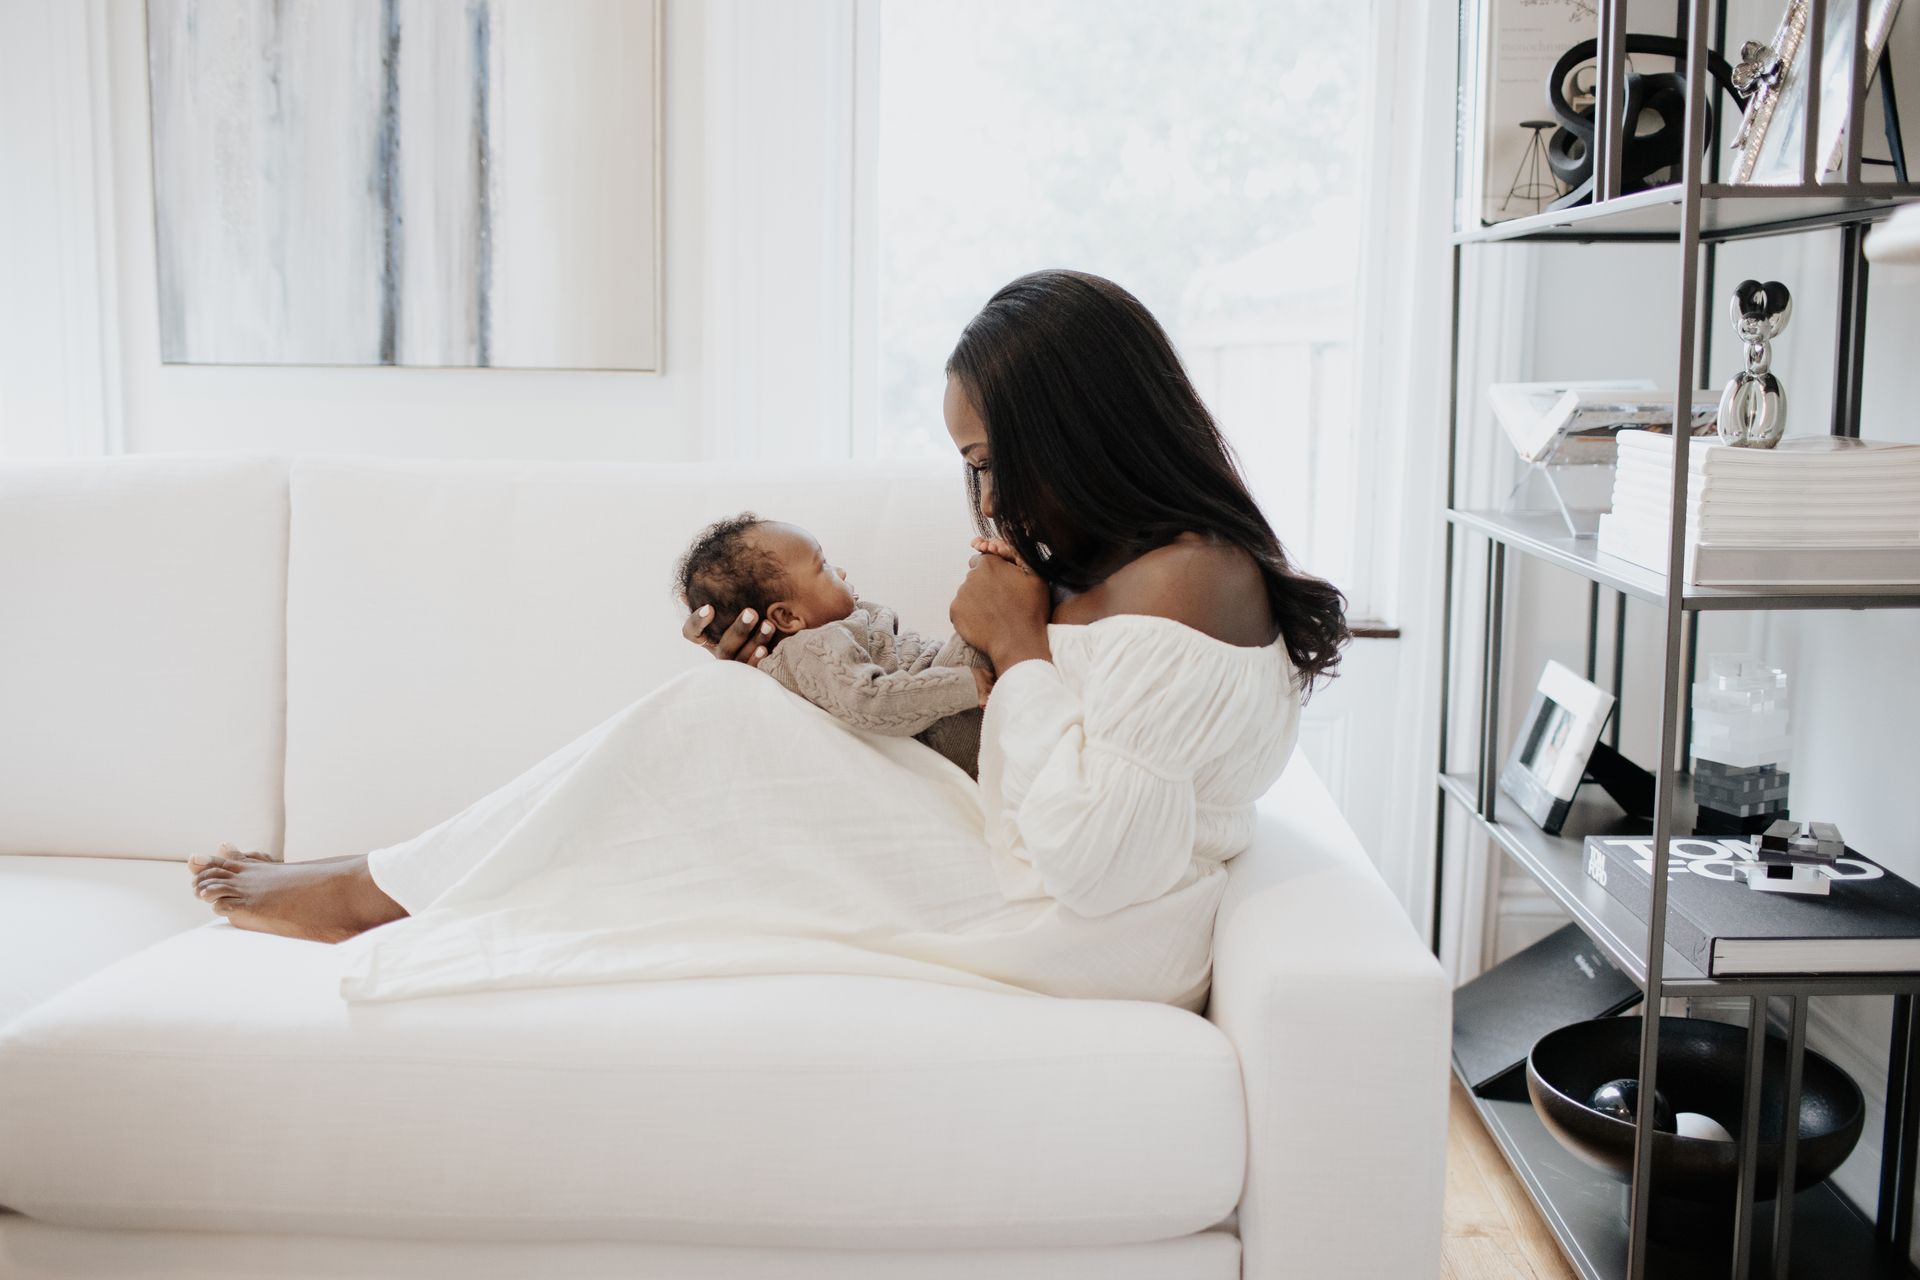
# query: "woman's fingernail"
746,616
766,628
759,653
704,611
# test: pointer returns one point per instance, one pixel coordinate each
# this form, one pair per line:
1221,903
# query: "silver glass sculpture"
1753,408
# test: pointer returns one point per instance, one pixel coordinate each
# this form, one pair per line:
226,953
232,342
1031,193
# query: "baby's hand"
997,547
983,681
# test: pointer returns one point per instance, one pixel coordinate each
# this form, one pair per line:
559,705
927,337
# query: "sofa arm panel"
1341,1019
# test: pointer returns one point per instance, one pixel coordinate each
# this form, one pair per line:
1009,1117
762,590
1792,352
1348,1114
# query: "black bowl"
1702,1068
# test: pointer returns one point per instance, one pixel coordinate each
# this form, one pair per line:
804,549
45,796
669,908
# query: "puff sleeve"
1093,786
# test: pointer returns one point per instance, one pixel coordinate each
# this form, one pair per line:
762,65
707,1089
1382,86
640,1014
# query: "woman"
1151,645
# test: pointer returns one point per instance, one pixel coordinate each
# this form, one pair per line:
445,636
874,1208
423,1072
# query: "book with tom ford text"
1867,922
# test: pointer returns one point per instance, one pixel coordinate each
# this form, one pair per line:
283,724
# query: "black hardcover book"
1562,978
1867,922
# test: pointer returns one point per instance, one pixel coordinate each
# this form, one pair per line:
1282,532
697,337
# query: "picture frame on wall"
352,182
1549,758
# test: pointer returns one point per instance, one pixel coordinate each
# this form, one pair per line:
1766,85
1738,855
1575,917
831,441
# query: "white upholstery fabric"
41,1252
1341,1021
62,919
833,1112
142,636
451,624
36,1251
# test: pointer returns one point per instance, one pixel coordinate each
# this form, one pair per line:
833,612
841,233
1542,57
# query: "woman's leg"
332,899
325,900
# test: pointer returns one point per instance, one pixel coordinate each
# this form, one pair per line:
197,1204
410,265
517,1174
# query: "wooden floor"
1493,1232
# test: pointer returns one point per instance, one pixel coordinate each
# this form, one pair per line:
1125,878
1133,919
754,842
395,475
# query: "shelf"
1727,212
1545,538
1585,1210
1558,864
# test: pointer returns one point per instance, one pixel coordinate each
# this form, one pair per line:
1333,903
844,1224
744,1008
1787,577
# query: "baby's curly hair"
724,569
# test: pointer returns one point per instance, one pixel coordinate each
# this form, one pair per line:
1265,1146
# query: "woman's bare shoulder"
1214,587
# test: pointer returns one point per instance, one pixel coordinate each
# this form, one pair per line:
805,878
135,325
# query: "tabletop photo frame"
1549,758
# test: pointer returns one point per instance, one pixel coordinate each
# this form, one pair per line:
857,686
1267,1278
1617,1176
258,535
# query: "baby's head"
745,562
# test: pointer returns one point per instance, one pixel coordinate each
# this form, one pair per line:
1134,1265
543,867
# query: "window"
1206,155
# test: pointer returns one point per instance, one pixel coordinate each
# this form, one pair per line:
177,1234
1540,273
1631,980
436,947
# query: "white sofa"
322,656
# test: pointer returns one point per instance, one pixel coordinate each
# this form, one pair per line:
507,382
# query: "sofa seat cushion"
62,919
217,1082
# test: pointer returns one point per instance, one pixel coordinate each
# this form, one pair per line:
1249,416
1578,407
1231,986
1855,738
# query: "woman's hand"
1001,609
740,642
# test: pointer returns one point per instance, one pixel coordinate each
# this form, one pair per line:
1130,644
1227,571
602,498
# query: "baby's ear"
785,618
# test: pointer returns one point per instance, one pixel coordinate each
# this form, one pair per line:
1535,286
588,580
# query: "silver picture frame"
1768,70
1771,141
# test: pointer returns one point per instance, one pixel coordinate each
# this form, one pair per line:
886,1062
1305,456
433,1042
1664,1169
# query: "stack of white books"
1812,511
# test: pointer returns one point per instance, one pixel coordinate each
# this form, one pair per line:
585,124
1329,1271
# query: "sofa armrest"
1341,1019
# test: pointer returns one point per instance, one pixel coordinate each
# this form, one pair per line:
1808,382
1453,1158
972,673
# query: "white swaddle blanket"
722,825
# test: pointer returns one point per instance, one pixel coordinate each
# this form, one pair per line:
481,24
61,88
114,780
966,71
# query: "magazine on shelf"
1542,418
1497,1017
1508,49
1868,921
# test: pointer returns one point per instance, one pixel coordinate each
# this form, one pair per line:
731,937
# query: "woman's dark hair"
1095,431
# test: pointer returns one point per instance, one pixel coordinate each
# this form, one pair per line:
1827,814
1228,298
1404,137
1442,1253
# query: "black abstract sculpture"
1570,152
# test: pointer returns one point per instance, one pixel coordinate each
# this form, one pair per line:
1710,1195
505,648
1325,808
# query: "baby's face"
817,591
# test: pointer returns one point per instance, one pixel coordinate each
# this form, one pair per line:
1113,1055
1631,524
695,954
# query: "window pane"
1203,155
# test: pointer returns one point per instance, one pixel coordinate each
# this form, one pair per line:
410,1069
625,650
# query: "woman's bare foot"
326,900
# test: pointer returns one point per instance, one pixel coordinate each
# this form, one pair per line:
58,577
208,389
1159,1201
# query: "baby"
844,655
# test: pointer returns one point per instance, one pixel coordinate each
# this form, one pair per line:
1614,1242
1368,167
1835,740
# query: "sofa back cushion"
142,642
451,623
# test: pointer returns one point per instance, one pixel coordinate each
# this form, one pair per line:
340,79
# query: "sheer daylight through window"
1211,166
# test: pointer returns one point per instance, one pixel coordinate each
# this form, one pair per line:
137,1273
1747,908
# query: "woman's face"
969,432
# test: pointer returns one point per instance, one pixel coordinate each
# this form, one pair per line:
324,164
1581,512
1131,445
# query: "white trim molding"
60,392
780,98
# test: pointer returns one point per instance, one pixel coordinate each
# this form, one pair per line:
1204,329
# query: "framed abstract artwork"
407,182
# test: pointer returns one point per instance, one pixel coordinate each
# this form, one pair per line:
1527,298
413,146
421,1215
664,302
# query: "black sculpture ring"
1570,152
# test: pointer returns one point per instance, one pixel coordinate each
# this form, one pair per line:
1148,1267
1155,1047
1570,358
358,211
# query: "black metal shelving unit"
1825,1235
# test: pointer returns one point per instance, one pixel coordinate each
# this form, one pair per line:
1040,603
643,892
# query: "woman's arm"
1091,782
1093,785
1001,610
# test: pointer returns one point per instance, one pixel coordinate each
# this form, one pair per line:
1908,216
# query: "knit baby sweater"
874,676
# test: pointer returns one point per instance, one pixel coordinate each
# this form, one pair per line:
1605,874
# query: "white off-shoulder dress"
722,825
